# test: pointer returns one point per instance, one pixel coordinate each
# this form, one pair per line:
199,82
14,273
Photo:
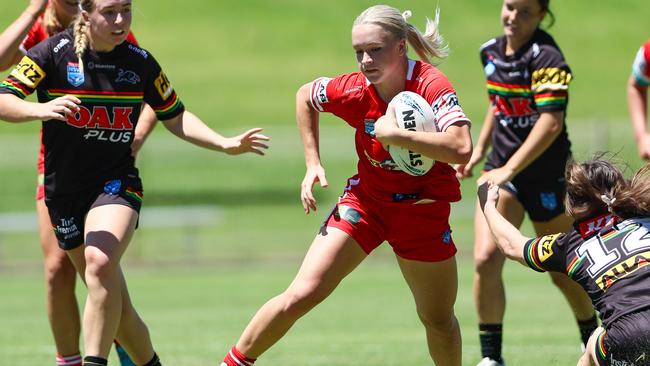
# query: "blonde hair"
80,29
51,23
427,45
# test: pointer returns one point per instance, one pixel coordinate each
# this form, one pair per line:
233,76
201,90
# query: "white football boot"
490,362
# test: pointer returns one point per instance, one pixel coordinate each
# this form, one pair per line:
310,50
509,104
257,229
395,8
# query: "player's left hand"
386,126
497,176
488,194
250,141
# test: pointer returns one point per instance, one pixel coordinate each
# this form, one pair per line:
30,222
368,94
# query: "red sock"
236,358
70,360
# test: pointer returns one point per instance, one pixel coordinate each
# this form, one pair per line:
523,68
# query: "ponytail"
427,46
80,29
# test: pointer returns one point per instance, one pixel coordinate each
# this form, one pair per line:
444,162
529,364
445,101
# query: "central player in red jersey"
380,203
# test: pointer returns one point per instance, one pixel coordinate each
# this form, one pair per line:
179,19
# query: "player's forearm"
637,103
547,128
452,146
12,37
508,238
16,110
307,120
190,128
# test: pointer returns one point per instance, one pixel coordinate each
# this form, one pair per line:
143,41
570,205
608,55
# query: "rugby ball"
412,113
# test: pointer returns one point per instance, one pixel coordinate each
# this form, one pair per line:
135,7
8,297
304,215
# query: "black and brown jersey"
93,145
521,86
608,259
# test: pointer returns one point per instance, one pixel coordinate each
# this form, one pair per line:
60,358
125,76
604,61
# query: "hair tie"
406,15
608,201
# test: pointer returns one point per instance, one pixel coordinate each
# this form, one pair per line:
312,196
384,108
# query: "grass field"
238,64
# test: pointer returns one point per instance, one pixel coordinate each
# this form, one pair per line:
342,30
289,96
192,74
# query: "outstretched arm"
11,38
637,103
190,128
14,109
307,119
508,238
547,128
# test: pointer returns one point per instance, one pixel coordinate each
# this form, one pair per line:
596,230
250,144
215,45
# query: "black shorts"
68,214
542,200
626,341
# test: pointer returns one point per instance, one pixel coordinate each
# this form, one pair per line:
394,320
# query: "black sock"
490,336
95,361
155,361
587,327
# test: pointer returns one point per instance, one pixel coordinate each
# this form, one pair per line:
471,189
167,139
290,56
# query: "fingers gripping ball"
413,113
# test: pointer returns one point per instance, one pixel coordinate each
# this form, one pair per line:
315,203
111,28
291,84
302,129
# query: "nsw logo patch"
75,76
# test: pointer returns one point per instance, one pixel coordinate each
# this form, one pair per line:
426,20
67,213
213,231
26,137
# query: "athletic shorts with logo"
68,214
626,342
415,231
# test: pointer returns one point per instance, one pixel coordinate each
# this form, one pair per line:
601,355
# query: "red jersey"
640,68
354,99
37,34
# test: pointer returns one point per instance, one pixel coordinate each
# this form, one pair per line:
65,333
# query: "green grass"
238,64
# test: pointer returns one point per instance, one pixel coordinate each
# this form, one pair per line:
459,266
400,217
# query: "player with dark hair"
40,20
380,203
607,252
527,81
91,85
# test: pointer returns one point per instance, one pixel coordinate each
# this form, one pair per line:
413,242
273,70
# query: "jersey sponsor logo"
138,50
489,68
28,72
445,103
163,86
369,126
348,214
115,126
590,227
550,77
545,247
512,107
623,269
67,229
75,76
62,42
127,76
92,66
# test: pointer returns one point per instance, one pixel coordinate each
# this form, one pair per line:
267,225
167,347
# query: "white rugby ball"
413,113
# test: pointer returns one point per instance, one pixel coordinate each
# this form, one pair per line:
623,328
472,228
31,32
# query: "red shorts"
415,231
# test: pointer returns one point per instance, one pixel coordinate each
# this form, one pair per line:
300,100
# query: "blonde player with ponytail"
93,191
40,20
381,202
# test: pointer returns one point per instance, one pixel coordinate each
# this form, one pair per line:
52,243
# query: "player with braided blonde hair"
381,202
93,191
40,20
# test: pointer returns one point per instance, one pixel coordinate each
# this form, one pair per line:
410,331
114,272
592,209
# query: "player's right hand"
58,108
315,173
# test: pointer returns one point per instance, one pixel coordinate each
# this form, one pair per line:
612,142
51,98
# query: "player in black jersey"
527,82
91,85
607,253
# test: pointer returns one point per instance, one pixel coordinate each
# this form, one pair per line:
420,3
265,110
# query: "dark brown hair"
544,4
597,186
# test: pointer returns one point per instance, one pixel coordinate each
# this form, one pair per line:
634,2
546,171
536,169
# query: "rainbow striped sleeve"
530,255
170,109
550,86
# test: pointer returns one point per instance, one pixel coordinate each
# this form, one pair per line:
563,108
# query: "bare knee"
300,299
488,264
439,323
99,266
60,274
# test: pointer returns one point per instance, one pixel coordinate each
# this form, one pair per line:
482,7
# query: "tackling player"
380,203
91,84
607,253
527,81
